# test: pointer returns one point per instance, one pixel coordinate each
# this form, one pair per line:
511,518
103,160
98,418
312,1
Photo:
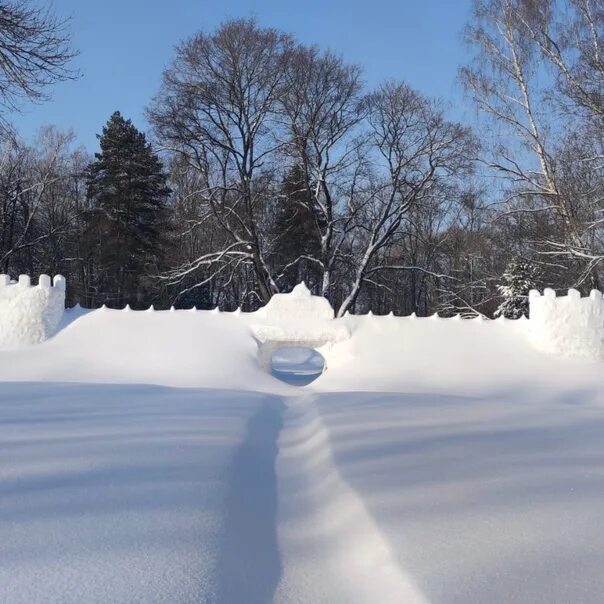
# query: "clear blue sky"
125,44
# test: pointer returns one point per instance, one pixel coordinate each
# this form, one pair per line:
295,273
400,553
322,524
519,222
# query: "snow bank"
30,315
408,354
180,348
569,325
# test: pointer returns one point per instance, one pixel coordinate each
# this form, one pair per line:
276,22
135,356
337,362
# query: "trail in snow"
249,567
332,550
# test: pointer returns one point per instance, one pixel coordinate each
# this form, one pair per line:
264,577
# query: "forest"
269,162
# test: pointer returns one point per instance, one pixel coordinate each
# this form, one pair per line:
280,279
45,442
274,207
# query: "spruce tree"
127,192
518,280
296,232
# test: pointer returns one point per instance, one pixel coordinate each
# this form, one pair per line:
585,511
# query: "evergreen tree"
518,280
127,223
296,233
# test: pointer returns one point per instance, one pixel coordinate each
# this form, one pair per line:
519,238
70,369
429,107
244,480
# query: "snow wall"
567,325
30,314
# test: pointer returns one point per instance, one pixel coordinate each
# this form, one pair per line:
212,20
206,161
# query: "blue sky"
125,44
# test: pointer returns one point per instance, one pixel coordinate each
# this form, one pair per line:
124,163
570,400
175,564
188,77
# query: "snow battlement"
30,314
569,325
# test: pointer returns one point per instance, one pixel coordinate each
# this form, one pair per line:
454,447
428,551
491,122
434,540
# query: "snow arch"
30,314
296,319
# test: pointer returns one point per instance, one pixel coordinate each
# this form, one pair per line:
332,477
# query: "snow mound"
300,304
30,315
403,354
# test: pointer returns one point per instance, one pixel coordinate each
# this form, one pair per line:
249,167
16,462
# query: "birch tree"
504,80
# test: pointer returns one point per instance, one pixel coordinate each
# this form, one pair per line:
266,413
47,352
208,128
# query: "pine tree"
518,280
296,232
127,192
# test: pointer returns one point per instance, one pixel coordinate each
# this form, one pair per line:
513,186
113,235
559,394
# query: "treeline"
272,163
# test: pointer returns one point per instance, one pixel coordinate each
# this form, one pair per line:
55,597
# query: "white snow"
299,305
568,325
150,457
30,315
121,493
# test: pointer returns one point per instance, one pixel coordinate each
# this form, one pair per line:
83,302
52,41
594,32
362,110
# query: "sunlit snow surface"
145,457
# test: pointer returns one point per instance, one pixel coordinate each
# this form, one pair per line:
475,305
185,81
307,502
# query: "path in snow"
249,567
144,494
332,550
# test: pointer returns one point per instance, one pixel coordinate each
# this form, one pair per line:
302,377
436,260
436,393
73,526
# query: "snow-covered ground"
147,457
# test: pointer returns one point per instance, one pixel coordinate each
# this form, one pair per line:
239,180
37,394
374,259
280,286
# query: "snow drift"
569,326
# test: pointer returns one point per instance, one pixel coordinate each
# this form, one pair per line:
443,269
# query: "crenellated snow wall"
567,325
30,314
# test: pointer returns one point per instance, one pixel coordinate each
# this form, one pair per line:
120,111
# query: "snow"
117,493
151,457
492,498
568,325
179,349
30,315
299,305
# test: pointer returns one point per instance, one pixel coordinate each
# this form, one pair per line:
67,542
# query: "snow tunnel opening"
297,365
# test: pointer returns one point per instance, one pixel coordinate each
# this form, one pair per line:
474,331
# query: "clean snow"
147,457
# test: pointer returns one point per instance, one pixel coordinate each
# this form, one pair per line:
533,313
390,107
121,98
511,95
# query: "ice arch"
297,319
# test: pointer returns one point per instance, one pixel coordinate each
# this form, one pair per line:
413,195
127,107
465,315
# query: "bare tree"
504,81
418,151
323,108
36,210
35,51
217,108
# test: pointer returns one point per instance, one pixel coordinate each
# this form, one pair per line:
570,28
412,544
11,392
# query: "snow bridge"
298,319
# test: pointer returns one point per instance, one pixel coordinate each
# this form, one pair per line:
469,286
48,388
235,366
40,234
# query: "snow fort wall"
568,325
30,314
